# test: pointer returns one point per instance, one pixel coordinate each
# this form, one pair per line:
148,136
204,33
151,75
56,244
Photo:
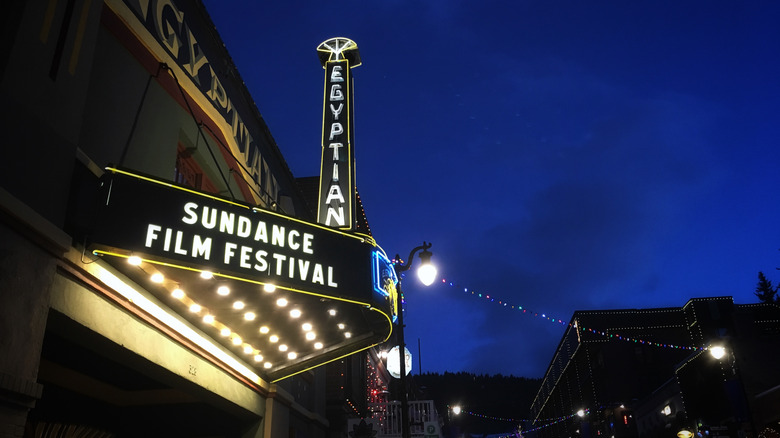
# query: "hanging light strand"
525,311
546,422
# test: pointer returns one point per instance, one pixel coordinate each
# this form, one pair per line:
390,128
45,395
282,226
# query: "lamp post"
728,355
426,273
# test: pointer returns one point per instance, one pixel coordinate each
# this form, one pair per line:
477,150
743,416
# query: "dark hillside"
488,402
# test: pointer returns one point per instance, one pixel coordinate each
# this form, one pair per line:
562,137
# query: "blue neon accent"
382,269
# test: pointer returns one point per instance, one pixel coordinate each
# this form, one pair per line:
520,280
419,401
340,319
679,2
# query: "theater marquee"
292,294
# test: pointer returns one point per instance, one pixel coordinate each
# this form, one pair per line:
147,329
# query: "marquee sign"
336,207
192,232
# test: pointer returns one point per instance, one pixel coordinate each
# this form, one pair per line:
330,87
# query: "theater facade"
163,273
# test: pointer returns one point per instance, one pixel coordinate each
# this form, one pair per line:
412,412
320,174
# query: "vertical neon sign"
336,206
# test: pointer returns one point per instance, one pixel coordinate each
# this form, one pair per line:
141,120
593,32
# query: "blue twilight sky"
559,155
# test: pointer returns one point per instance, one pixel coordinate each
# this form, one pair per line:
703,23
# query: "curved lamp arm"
425,255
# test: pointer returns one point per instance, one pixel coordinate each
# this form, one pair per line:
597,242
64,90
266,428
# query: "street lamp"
426,274
727,352
717,352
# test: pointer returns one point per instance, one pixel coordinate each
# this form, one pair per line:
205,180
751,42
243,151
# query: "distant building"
648,373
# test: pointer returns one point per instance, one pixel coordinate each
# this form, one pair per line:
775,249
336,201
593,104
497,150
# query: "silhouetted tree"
765,292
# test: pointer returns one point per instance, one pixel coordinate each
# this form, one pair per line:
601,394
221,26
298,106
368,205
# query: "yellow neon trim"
138,299
348,354
215,198
337,51
350,184
232,277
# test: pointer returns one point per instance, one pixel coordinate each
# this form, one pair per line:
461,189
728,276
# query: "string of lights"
554,320
581,413
546,422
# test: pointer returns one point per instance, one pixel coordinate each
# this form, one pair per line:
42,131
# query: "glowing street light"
717,352
427,274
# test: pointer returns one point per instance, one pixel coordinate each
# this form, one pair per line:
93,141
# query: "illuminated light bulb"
310,336
236,340
195,308
206,275
134,260
177,293
282,347
295,313
281,302
267,365
717,352
264,330
258,357
318,345
341,326
274,338
292,355
427,274
306,327
225,332
223,290
238,305
248,349
347,335
158,278
332,312
249,316
208,319
268,287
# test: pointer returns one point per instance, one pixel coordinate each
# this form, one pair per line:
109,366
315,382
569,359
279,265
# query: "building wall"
83,86
627,365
